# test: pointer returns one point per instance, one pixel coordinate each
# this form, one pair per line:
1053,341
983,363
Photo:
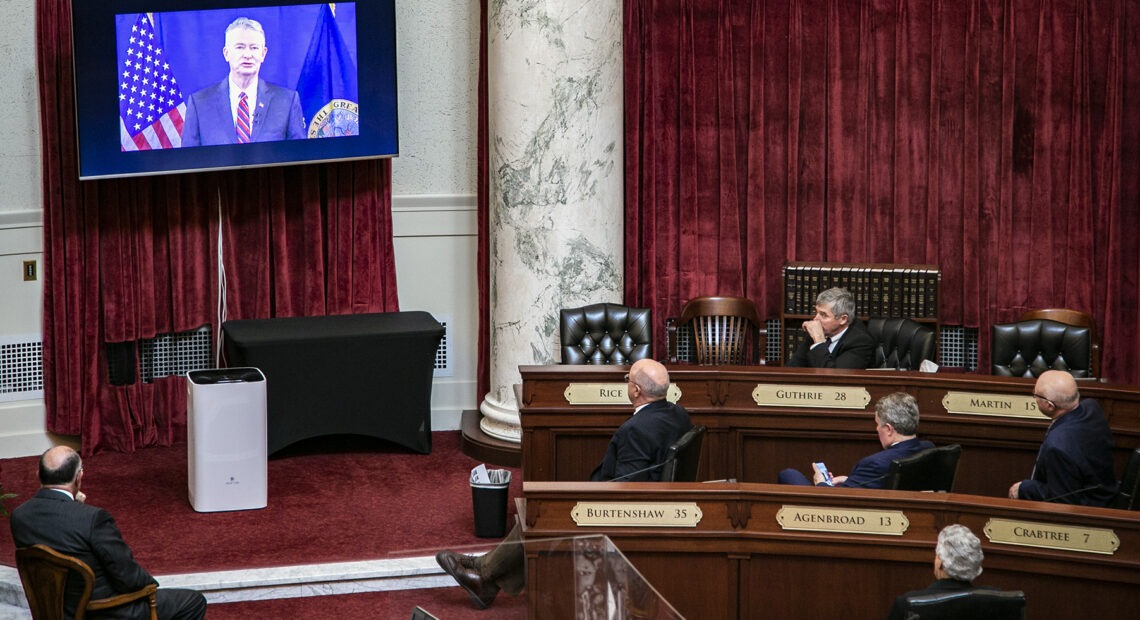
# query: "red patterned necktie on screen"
243,128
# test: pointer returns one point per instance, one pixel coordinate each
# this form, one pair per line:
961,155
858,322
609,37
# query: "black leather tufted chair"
900,343
1029,348
605,334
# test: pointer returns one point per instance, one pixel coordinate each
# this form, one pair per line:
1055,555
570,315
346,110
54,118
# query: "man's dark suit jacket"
942,586
1074,465
871,471
642,441
209,120
88,533
856,349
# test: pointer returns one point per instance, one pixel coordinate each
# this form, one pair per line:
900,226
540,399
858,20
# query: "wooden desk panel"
739,563
752,443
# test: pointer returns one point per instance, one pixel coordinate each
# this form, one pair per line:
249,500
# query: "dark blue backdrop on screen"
341,62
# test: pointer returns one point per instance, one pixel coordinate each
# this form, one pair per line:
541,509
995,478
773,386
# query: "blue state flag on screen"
328,82
151,107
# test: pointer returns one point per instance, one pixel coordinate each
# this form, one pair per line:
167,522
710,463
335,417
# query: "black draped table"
356,374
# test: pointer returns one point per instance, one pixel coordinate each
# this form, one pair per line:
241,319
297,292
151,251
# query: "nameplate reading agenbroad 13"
826,397
607,394
820,519
636,514
1052,536
1005,405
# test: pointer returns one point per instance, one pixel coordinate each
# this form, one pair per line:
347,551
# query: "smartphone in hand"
822,469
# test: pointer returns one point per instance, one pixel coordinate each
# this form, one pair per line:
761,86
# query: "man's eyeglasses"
1040,397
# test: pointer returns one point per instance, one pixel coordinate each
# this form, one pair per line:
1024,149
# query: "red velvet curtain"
993,138
135,258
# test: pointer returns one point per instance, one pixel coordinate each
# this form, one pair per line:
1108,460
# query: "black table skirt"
357,374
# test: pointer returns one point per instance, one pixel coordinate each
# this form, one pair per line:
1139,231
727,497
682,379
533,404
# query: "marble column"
555,108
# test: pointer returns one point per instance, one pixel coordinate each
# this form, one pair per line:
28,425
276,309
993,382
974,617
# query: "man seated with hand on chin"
896,422
636,452
835,337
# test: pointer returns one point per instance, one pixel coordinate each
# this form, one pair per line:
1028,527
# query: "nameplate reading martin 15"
607,394
829,396
636,514
1052,536
820,519
1005,405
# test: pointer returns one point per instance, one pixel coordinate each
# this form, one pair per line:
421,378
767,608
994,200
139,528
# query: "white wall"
433,194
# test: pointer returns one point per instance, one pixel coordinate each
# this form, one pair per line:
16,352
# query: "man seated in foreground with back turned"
58,517
896,422
835,337
635,453
957,563
1074,464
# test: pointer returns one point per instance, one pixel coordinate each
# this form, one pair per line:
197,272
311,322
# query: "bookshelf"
880,290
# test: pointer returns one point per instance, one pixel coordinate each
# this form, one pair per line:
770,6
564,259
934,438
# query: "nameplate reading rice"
822,519
1003,405
824,397
1052,536
636,514
607,394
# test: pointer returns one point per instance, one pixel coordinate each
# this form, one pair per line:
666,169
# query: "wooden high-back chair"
720,326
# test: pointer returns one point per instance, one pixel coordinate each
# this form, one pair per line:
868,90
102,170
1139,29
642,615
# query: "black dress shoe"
462,569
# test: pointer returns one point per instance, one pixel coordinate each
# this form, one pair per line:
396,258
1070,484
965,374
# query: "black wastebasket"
489,503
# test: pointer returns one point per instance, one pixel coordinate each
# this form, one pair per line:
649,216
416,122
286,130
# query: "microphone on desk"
640,471
1094,487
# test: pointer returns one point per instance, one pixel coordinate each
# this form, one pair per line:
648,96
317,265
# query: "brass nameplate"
1006,405
636,514
1052,536
829,396
817,519
607,394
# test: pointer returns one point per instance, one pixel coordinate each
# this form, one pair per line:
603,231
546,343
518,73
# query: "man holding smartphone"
896,422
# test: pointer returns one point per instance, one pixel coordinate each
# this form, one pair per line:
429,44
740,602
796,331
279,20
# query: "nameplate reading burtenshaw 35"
607,394
1052,536
819,519
1006,405
829,396
636,514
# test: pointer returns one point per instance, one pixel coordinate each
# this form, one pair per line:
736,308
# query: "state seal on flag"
336,119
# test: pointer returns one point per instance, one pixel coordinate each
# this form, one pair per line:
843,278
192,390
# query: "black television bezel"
100,155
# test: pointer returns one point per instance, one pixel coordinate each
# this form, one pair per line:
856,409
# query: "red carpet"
443,603
330,500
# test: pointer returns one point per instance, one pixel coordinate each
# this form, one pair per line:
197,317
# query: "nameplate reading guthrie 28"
820,519
636,514
1052,536
823,396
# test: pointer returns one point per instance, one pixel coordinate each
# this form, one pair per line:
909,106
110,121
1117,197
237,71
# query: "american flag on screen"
151,107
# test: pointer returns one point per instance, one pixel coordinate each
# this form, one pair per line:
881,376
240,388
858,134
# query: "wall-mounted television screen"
169,86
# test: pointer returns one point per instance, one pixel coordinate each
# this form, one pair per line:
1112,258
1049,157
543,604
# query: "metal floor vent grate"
443,353
958,347
21,367
175,354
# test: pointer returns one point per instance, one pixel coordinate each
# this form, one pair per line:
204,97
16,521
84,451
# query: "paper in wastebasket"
483,477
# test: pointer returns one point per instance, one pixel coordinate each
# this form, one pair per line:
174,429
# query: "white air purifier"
226,439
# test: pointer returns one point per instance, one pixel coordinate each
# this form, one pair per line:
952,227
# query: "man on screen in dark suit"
634,452
836,339
58,517
243,107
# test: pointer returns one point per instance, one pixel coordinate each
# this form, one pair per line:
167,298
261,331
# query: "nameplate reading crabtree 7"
1052,536
1004,405
820,519
636,514
829,397
607,394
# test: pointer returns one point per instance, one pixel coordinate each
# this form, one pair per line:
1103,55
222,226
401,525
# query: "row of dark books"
887,291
